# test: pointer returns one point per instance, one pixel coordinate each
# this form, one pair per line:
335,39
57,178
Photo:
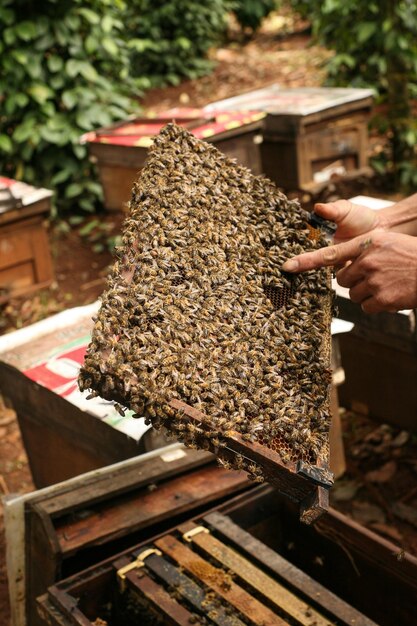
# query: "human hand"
351,219
384,276
381,273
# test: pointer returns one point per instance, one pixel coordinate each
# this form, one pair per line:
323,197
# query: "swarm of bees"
198,309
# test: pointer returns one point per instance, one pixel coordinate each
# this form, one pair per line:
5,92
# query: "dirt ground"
380,487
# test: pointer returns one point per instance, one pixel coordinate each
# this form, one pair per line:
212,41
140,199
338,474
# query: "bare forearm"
401,217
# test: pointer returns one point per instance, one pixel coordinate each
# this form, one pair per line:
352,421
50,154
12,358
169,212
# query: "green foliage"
170,39
376,46
251,13
64,70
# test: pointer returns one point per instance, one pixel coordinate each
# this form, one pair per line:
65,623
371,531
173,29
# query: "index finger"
330,255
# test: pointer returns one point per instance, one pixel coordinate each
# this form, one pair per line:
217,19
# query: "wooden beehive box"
309,133
249,561
79,522
121,150
64,435
25,259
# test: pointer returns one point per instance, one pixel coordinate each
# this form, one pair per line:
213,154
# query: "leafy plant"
170,39
376,46
251,13
64,70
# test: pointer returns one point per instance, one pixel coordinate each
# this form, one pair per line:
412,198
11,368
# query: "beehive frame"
201,331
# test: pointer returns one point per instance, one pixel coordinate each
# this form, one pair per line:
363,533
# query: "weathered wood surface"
380,590
293,150
299,481
253,610
274,562
51,427
193,593
68,606
157,600
351,558
245,570
25,259
116,519
380,381
67,527
48,614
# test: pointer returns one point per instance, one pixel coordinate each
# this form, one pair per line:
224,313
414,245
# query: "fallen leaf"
405,512
375,436
383,474
401,439
365,513
388,531
345,490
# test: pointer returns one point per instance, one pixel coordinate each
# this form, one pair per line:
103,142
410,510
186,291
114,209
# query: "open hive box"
201,332
213,570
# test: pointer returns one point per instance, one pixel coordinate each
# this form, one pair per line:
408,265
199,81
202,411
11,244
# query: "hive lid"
15,194
140,132
199,329
296,101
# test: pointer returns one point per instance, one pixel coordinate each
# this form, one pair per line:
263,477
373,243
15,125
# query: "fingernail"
290,266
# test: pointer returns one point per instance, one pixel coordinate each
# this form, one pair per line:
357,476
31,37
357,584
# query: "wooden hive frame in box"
208,570
187,335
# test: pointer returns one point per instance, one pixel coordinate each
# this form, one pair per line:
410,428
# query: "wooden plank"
345,531
83,597
217,580
21,214
161,602
16,246
121,481
41,564
41,254
291,125
245,570
195,595
337,450
68,606
384,384
172,612
296,480
48,614
314,505
115,519
260,553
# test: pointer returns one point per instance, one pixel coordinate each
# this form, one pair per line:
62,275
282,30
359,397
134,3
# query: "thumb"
330,255
334,211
